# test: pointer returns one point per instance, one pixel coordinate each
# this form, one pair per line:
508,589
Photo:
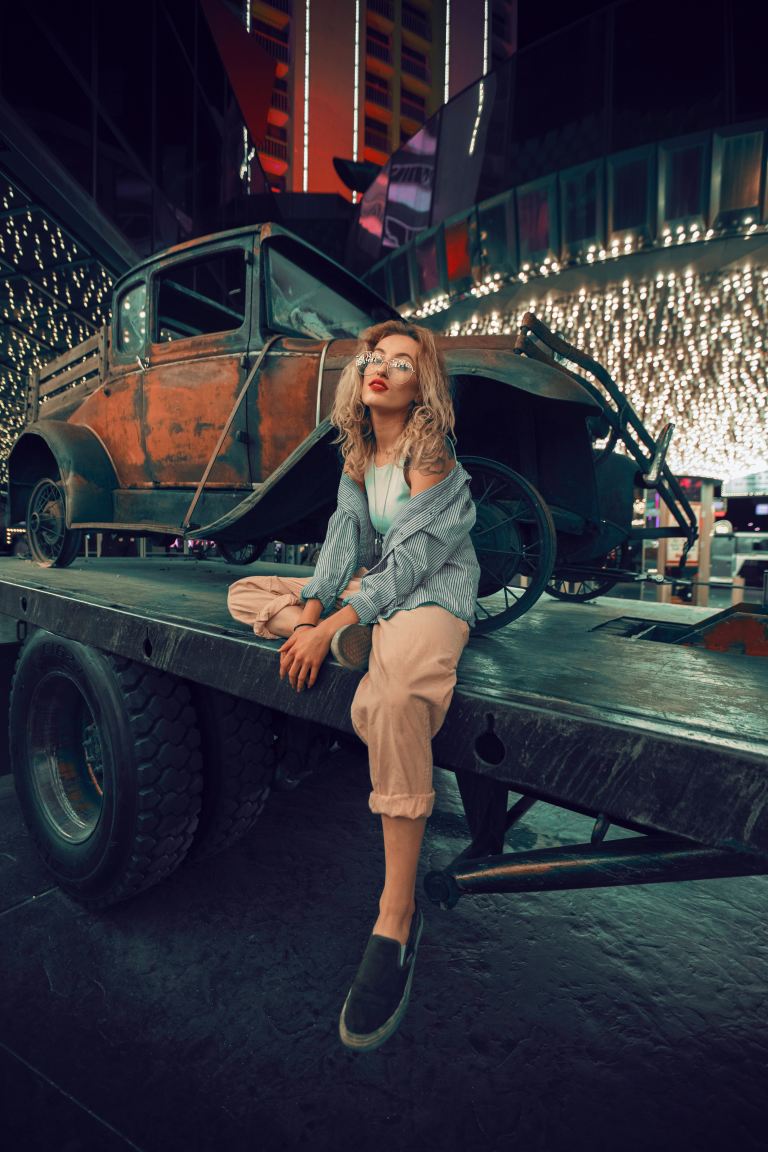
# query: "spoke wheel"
514,539
241,553
578,589
51,543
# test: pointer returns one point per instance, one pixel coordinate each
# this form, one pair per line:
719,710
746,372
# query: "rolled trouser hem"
259,619
411,807
261,624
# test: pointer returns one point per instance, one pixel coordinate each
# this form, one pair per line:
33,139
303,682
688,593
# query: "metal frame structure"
691,782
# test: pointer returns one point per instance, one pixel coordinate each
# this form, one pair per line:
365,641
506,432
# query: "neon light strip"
244,162
356,101
245,168
446,84
305,186
478,117
485,37
480,90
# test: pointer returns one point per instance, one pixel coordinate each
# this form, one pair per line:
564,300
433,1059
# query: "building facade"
358,78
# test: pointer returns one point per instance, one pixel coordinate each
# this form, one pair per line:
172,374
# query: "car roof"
198,242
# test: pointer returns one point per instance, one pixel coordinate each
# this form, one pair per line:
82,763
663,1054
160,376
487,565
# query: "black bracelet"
305,626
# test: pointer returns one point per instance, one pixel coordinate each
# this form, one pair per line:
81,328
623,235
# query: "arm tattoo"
436,468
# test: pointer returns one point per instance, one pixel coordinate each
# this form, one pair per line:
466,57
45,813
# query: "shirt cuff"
319,590
367,609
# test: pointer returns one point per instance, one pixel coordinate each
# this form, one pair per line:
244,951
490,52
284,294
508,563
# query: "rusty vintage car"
202,409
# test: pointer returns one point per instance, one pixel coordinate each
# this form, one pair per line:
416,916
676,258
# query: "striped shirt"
427,555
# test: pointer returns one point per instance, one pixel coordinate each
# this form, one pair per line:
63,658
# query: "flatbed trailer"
565,706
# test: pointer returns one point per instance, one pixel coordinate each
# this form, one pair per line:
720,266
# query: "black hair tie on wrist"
305,626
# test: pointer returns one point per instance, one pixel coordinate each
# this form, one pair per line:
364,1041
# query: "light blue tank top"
387,492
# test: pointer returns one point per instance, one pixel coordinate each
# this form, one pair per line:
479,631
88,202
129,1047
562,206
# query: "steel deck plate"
672,738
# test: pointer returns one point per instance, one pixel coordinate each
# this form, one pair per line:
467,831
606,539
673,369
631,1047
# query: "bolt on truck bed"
666,739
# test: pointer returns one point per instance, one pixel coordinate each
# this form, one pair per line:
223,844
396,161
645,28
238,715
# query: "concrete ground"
203,1014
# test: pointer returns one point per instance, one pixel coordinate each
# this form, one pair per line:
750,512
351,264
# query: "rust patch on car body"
185,406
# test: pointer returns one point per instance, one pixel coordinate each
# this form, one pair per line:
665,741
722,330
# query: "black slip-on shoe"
351,645
378,998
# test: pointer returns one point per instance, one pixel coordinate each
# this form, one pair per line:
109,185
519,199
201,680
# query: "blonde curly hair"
431,418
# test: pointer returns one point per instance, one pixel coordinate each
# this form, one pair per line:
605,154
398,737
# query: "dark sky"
537,18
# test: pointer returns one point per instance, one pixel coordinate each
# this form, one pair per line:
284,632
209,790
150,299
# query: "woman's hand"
301,656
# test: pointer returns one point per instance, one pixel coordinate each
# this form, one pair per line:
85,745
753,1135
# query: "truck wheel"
106,759
51,543
300,748
238,766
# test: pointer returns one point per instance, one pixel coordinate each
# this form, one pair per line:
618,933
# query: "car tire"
108,771
51,543
238,749
513,535
240,554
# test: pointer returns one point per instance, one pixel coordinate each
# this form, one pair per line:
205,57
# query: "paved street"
203,1014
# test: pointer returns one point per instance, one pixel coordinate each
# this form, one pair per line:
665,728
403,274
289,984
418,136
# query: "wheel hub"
46,523
67,759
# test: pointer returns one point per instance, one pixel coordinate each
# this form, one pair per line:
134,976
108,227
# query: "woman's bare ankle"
284,621
395,922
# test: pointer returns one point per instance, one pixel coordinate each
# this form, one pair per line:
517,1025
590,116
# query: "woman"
394,587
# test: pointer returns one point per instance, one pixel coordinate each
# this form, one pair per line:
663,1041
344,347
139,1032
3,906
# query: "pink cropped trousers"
402,699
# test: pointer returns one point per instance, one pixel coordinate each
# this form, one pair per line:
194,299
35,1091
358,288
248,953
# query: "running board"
303,484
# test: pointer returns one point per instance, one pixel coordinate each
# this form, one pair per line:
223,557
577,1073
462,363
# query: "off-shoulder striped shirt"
427,555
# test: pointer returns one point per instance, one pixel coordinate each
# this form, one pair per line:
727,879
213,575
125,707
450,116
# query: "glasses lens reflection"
370,362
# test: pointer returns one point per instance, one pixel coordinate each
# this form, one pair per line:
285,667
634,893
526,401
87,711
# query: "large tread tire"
238,748
300,748
107,764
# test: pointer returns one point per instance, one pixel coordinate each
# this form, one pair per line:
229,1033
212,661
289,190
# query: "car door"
312,303
197,363
114,411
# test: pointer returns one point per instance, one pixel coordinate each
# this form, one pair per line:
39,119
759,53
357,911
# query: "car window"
301,304
132,320
201,296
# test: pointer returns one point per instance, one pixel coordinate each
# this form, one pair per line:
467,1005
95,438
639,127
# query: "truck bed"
670,738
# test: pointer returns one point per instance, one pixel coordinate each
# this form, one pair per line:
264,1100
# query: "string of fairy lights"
685,347
53,295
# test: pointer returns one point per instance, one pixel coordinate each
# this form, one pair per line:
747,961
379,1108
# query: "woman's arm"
416,559
305,650
418,481
338,558
303,653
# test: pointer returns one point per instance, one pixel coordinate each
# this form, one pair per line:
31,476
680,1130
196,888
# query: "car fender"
495,359
84,469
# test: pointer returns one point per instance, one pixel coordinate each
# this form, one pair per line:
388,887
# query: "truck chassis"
185,717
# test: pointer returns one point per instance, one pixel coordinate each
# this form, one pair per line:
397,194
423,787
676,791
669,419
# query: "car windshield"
301,304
